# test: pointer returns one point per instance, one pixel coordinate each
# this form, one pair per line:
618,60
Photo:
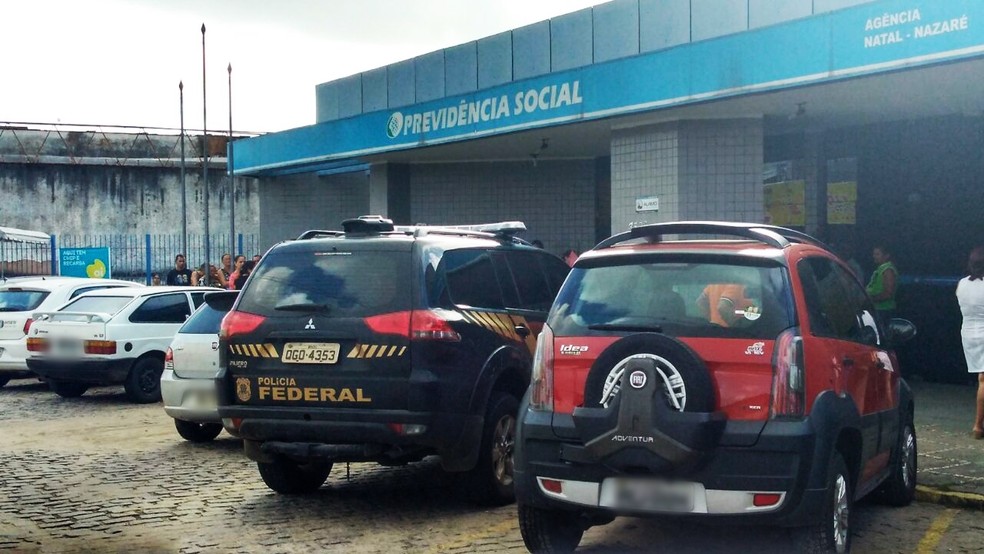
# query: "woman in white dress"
970,295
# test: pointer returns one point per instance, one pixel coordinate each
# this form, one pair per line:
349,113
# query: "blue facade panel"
570,41
429,78
374,90
531,50
715,18
663,23
461,69
821,6
350,96
326,102
616,30
495,65
769,12
400,84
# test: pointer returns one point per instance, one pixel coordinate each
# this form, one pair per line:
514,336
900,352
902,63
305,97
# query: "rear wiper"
618,327
303,307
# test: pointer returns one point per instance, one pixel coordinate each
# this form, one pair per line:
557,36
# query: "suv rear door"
530,281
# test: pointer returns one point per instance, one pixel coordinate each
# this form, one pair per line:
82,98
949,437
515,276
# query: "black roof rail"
778,237
317,233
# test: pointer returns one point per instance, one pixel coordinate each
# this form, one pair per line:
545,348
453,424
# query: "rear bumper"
13,359
189,399
97,372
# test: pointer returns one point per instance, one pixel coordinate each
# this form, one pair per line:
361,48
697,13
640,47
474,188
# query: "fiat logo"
637,379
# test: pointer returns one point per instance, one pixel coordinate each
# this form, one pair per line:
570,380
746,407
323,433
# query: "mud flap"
640,430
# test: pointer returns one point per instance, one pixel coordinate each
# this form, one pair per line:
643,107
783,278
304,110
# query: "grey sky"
118,62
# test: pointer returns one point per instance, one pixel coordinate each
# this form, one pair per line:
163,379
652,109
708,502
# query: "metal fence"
132,257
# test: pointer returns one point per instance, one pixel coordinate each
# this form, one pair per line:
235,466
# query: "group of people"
231,275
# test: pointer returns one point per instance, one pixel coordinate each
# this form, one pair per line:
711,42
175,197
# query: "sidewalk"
951,462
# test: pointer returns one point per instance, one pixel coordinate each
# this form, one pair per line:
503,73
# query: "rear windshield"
21,300
335,283
704,298
205,321
101,304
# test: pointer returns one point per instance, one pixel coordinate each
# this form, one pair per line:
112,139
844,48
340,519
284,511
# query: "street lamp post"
232,176
184,193
205,150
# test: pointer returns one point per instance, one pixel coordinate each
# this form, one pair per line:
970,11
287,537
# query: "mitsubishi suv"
386,344
716,371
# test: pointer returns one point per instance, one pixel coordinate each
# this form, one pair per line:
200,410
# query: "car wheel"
491,481
900,488
68,389
832,532
687,383
143,384
4,381
289,477
548,531
197,432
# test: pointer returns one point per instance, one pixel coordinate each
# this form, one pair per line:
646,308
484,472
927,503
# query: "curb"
953,499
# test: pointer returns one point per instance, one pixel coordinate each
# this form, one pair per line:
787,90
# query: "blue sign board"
85,262
867,39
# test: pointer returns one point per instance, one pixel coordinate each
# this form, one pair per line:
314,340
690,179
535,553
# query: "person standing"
180,275
970,296
570,256
237,268
226,270
883,284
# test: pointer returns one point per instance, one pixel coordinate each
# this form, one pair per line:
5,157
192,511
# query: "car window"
20,300
466,278
531,281
205,321
197,298
100,304
164,308
680,296
837,305
342,283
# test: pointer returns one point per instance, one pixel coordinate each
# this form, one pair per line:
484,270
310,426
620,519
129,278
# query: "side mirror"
900,330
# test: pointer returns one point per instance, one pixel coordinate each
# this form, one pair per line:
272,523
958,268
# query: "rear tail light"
541,394
416,325
37,344
787,376
169,359
27,325
99,346
239,323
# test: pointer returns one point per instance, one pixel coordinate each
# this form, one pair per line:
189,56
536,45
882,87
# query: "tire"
832,532
490,482
143,383
900,488
68,389
549,531
289,477
672,357
197,432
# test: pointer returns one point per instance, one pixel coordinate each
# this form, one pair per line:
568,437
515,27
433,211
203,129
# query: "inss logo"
394,125
572,350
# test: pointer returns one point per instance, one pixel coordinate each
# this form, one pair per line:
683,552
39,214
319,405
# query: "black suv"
386,344
743,376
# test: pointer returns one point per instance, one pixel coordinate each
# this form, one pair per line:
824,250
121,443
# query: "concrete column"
696,169
379,189
389,192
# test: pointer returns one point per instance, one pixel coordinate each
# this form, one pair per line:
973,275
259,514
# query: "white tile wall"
292,205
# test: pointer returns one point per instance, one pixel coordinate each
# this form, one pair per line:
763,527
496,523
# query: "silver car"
190,365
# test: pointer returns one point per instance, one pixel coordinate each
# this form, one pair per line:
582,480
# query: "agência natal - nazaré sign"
483,110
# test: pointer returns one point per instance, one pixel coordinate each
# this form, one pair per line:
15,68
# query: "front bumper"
189,399
97,372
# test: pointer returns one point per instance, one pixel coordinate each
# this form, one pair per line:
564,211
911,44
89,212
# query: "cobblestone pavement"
98,474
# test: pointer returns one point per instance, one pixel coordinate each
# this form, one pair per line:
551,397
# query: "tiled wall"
291,205
697,169
556,200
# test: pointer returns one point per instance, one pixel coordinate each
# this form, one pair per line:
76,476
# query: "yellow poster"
842,198
785,203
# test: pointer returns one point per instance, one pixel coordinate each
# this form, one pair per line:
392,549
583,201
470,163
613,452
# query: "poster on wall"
785,203
85,262
842,199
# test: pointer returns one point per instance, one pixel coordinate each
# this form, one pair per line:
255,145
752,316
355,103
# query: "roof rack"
778,237
317,233
502,229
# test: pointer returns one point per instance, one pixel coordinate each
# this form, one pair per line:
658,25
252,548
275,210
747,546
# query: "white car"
110,337
190,365
22,296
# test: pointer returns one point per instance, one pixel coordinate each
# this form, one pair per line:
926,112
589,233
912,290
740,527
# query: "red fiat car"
743,379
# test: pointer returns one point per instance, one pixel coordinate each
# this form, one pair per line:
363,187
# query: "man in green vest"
883,284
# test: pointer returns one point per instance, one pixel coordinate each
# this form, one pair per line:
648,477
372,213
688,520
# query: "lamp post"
208,256
184,193
232,175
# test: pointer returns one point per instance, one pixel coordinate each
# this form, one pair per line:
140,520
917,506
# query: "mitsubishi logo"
310,324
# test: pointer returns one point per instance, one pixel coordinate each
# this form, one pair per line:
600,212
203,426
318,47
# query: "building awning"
9,234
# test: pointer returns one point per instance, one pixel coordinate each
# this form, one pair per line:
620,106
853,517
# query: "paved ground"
98,474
